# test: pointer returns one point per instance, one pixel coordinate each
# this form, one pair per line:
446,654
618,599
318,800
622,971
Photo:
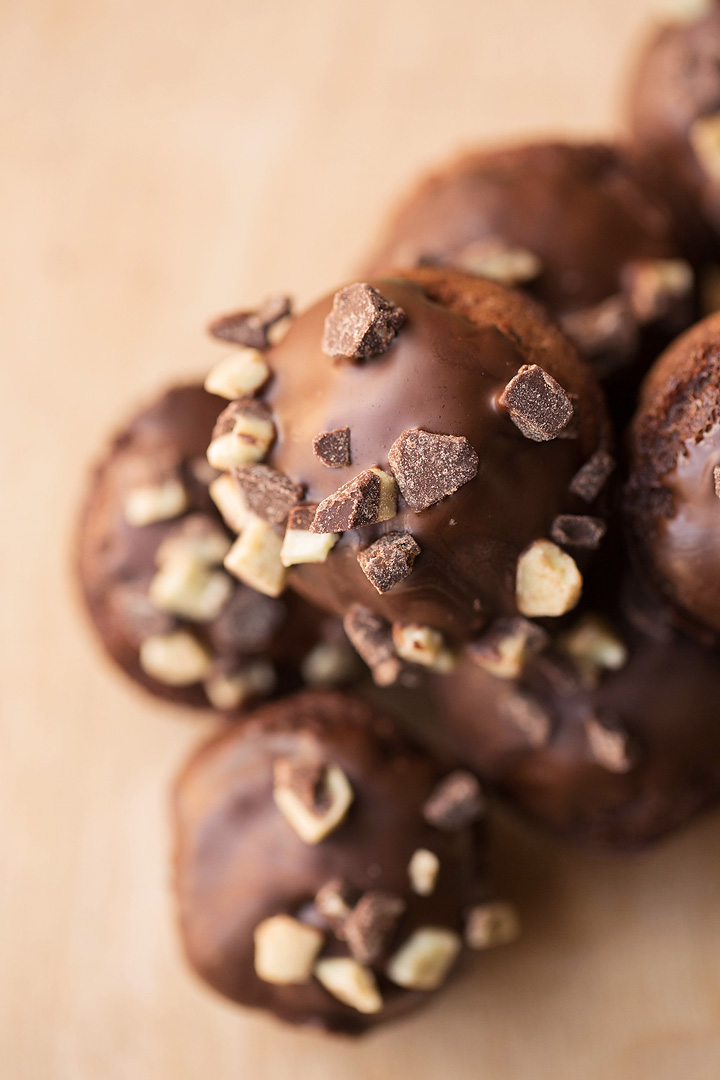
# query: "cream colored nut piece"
187,588
387,507
327,665
254,558
350,982
155,502
230,501
286,950
176,659
495,259
506,657
203,542
255,680
418,644
310,824
609,746
303,546
423,962
548,581
594,646
656,284
423,870
237,375
705,141
248,442
491,924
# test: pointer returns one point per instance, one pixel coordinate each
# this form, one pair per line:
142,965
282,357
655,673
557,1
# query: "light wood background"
162,161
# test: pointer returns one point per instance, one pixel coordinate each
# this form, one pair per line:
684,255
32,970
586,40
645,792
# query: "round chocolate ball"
579,226
326,870
673,495
150,548
437,432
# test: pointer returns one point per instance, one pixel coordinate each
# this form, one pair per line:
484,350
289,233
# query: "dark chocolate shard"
335,902
529,717
537,404
247,623
389,560
610,745
371,924
364,500
250,328
591,478
362,324
301,517
429,467
269,493
371,637
578,530
332,448
457,801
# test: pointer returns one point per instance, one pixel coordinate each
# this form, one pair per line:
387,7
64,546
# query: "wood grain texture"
161,162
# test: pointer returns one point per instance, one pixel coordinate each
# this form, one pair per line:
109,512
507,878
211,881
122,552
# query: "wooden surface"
162,161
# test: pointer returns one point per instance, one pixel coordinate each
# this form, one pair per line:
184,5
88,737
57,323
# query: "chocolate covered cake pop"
430,435
673,498
326,870
609,734
150,548
577,225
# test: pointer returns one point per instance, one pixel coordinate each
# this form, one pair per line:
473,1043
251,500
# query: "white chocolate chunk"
303,546
184,587
230,501
313,826
285,950
423,869
247,443
254,558
350,982
548,582
176,659
254,680
491,924
155,502
423,962
237,375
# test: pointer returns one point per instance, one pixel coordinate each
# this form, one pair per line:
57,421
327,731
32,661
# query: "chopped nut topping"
591,478
429,467
335,901
594,647
609,745
423,869
362,324
372,639
423,962
716,480
491,924
269,493
371,923
157,502
286,950
314,799
548,581
705,141
609,327
176,659
418,644
528,716
494,258
196,537
254,558
537,404
230,501
238,375
328,664
389,560
657,286
302,546
505,648
332,448
242,435
227,692
350,982
367,499
457,801
578,530
250,328
186,587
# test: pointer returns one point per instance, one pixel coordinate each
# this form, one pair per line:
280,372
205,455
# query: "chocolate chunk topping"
362,324
333,447
610,745
456,802
537,404
389,560
242,407
578,530
371,923
354,505
301,517
372,640
428,467
335,902
250,328
306,780
528,716
716,480
269,493
247,623
591,478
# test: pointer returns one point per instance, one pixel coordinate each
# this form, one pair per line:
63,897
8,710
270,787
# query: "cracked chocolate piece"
429,467
333,447
372,639
578,530
371,923
268,493
250,328
537,404
609,745
591,478
301,517
362,324
365,500
389,560
457,801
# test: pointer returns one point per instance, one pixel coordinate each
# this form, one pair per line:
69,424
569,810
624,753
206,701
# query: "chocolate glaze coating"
238,861
665,699
586,211
463,339
113,556
672,506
